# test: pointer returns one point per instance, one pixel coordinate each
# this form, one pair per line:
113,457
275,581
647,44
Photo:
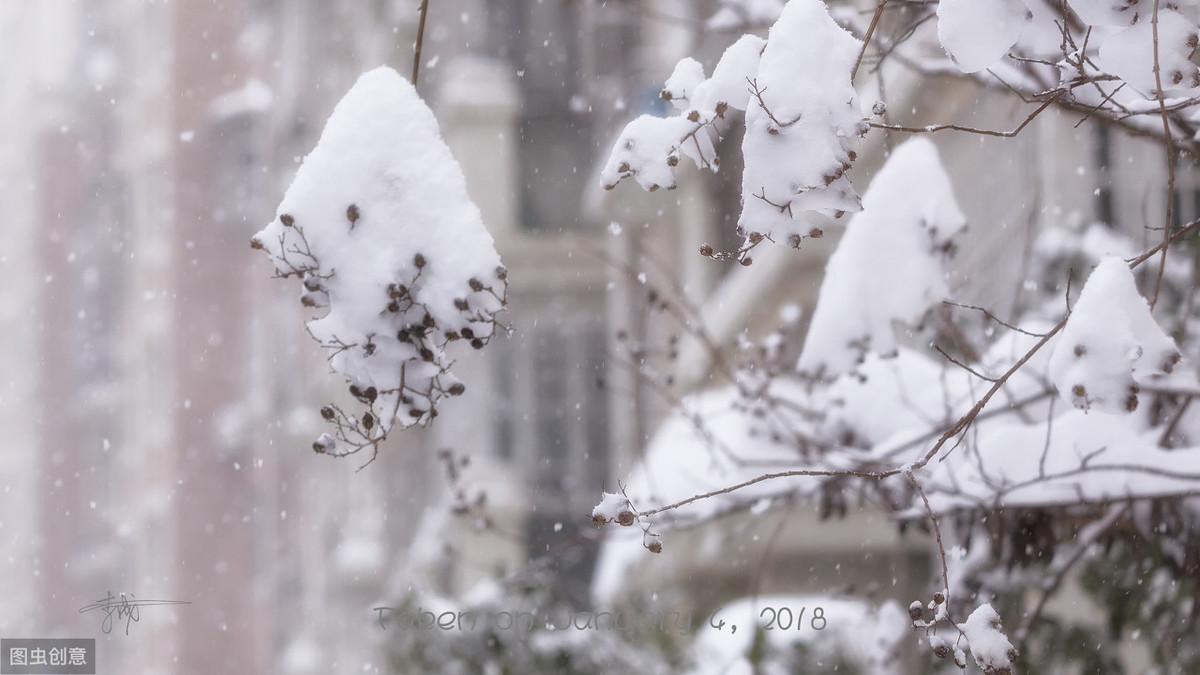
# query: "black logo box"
37,654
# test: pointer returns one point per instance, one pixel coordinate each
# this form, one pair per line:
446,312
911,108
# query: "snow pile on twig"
992,651
799,125
1110,338
889,265
977,33
378,228
649,148
1129,54
801,114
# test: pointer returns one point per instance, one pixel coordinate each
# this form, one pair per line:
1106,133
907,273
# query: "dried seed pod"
916,610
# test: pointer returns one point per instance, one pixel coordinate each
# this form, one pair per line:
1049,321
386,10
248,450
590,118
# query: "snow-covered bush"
1022,440
392,254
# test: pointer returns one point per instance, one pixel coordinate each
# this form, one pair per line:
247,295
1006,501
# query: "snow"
802,113
679,86
378,227
800,125
1110,338
889,265
728,82
1088,457
977,33
649,147
683,460
992,651
610,508
1129,54
870,637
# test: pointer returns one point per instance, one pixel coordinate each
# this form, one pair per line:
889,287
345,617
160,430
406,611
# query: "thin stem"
1170,145
867,38
416,68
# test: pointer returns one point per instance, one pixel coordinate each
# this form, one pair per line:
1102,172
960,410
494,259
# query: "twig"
985,132
986,312
1170,145
867,37
416,69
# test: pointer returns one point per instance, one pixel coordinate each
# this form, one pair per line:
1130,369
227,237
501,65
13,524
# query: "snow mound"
378,228
889,265
1109,340
992,651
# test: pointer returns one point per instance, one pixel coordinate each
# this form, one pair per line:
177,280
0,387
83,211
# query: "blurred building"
160,394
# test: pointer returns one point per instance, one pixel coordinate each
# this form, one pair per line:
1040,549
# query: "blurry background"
158,393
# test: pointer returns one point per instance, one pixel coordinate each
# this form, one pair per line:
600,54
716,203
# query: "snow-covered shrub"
392,254
1023,440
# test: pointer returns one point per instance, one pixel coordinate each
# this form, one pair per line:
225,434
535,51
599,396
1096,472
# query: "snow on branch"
1130,54
649,148
1110,341
889,265
379,230
978,33
802,114
799,128
990,648
1135,40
